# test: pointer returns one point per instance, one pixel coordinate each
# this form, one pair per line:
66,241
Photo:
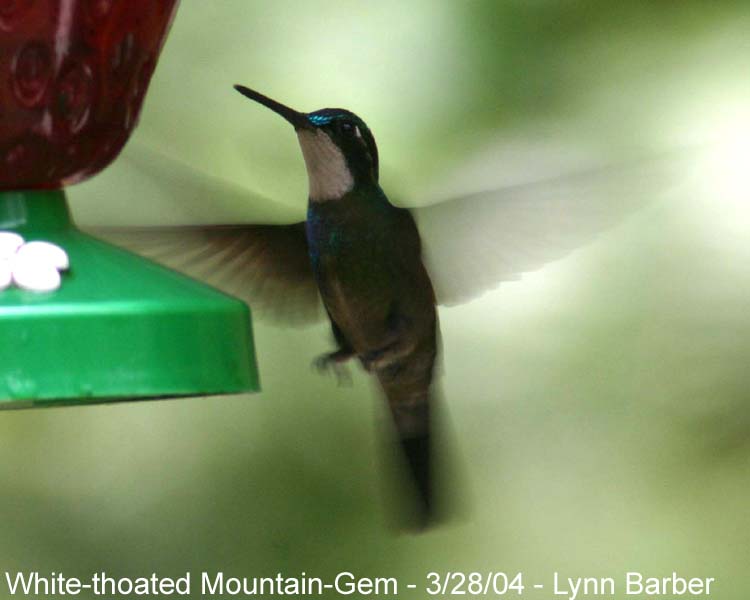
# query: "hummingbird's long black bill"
297,119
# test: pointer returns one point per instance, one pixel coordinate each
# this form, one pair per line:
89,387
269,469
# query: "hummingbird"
363,260
366,258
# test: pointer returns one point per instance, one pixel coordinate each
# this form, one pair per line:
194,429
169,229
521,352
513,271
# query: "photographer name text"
439,584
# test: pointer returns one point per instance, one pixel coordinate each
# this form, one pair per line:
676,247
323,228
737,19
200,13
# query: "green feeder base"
119,327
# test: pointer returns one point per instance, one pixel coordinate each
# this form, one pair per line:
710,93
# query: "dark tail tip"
418,453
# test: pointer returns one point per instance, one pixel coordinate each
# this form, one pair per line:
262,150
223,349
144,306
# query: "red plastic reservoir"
73,74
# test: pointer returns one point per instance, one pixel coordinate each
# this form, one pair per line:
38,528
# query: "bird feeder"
82,321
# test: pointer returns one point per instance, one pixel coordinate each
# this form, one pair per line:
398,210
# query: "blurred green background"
598,407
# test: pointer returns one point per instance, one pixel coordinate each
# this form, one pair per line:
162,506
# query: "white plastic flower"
33,266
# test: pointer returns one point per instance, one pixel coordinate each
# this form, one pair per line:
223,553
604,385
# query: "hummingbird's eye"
347,127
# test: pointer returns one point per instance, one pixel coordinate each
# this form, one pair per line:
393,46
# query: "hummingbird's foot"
334,362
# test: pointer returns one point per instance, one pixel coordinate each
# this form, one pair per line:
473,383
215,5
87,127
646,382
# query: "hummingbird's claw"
334,362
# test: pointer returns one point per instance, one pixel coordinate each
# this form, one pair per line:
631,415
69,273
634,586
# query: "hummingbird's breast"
355,257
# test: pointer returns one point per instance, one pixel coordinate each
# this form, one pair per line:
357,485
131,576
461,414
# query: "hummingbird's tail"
411,413
418,453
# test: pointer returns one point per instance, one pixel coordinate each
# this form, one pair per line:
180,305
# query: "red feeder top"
73,74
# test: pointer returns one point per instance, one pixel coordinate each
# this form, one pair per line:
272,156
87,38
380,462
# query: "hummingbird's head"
338,147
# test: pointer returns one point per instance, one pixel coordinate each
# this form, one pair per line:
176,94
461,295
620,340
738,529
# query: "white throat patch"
327,171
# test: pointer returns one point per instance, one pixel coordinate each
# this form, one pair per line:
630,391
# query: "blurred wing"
473,243
267,266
